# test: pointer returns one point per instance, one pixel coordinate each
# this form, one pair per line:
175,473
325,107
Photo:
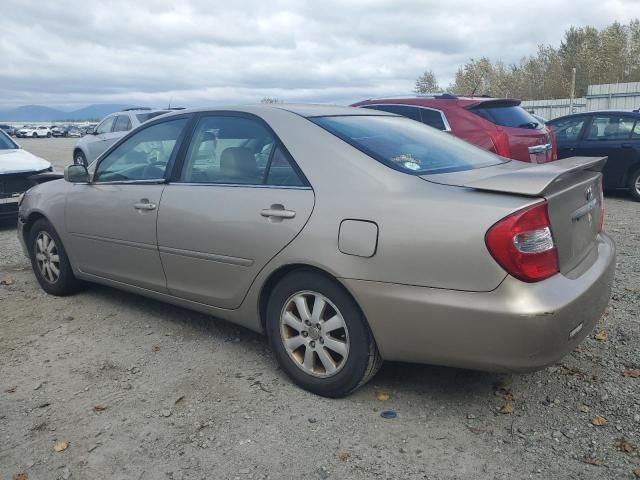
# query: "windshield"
6,143
406,145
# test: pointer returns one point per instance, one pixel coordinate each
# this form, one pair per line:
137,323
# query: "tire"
64,282
49,135
361,360
634,185
79,158
35,135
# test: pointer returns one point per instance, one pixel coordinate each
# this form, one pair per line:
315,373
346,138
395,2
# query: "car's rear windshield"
407,145
6,143
506,115
143,117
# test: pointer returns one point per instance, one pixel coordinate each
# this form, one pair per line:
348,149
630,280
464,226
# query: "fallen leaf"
632,372
181,398
60,446
11,389
382,395
344,456
601,335
593,460
507,408
636,472
622,445
19,476
567,370
7,281
100,408
156,348
579,349
503,390
599,421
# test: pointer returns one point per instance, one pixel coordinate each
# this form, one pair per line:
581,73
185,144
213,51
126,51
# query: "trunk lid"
571,186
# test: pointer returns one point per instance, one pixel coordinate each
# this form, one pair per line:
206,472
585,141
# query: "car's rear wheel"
35,135
79,158
49,260
634,185
319,335
48,134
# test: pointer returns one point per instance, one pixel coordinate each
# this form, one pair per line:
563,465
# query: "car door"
568,133
609,134
237,200
111,221
98,143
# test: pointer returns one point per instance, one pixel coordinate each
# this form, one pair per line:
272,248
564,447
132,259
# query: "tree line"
609,55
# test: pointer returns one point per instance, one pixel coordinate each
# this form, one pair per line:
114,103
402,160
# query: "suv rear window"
506,114
143,117
405,145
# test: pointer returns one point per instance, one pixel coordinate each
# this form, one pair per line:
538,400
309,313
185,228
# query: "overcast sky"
193,52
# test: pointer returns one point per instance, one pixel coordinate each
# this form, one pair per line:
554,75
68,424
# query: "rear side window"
636,130
407,146
506,115
405,110
433,118
123,124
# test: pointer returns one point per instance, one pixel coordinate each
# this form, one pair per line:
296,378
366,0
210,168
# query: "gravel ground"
129,388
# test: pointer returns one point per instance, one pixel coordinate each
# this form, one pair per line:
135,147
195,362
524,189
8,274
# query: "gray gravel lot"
136,389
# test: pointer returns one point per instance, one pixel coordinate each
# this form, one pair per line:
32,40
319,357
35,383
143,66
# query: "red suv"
498,125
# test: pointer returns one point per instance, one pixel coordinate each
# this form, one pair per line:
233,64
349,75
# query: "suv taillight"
523,245
501,144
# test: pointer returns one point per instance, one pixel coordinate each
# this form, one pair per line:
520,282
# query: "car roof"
304,110
631,112
436,99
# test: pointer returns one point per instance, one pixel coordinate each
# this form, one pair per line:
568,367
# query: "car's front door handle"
277,211
144,206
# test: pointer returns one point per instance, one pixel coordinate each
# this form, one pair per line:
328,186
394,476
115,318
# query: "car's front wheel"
319,335
634,185
79,158
35,135
49,260
48,134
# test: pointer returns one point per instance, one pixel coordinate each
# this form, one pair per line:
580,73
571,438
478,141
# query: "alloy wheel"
47,257
314,334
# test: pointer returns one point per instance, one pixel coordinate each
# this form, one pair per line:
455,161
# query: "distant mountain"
39,113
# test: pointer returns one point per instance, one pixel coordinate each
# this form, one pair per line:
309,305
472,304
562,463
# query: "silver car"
111,129
348,235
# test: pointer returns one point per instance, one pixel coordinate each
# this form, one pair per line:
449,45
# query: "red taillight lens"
501,144
523,245
601,220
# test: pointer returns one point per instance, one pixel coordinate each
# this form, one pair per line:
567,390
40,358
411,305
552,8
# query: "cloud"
201,52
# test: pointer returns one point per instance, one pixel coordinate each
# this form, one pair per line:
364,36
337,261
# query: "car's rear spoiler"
519,178
536,180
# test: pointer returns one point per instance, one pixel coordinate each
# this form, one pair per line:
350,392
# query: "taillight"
501,144
523,245
601,219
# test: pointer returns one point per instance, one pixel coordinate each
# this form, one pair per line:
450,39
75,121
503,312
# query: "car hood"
21,161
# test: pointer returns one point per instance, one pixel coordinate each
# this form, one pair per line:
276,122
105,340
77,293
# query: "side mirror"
76,174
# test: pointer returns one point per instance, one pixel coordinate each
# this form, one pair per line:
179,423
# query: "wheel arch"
28,225
284,270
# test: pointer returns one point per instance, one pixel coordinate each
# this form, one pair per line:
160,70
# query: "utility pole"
573,89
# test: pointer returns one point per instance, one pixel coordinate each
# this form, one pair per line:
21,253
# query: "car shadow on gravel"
442,383
9,223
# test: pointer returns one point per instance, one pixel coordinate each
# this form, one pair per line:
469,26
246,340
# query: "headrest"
238,161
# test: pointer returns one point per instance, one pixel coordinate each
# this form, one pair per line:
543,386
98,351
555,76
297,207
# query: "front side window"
143,156
405,145
122,124
105,126
610,127
235,150
568,129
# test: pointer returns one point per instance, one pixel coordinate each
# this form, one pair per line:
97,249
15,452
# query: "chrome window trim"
235,185
447,126
148,181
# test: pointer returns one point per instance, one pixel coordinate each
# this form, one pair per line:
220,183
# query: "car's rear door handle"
144,206
277,211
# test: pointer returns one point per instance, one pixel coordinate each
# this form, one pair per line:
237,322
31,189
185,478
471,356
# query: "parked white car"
34,132
16,168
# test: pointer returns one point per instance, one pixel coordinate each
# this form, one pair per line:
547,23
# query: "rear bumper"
517,327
